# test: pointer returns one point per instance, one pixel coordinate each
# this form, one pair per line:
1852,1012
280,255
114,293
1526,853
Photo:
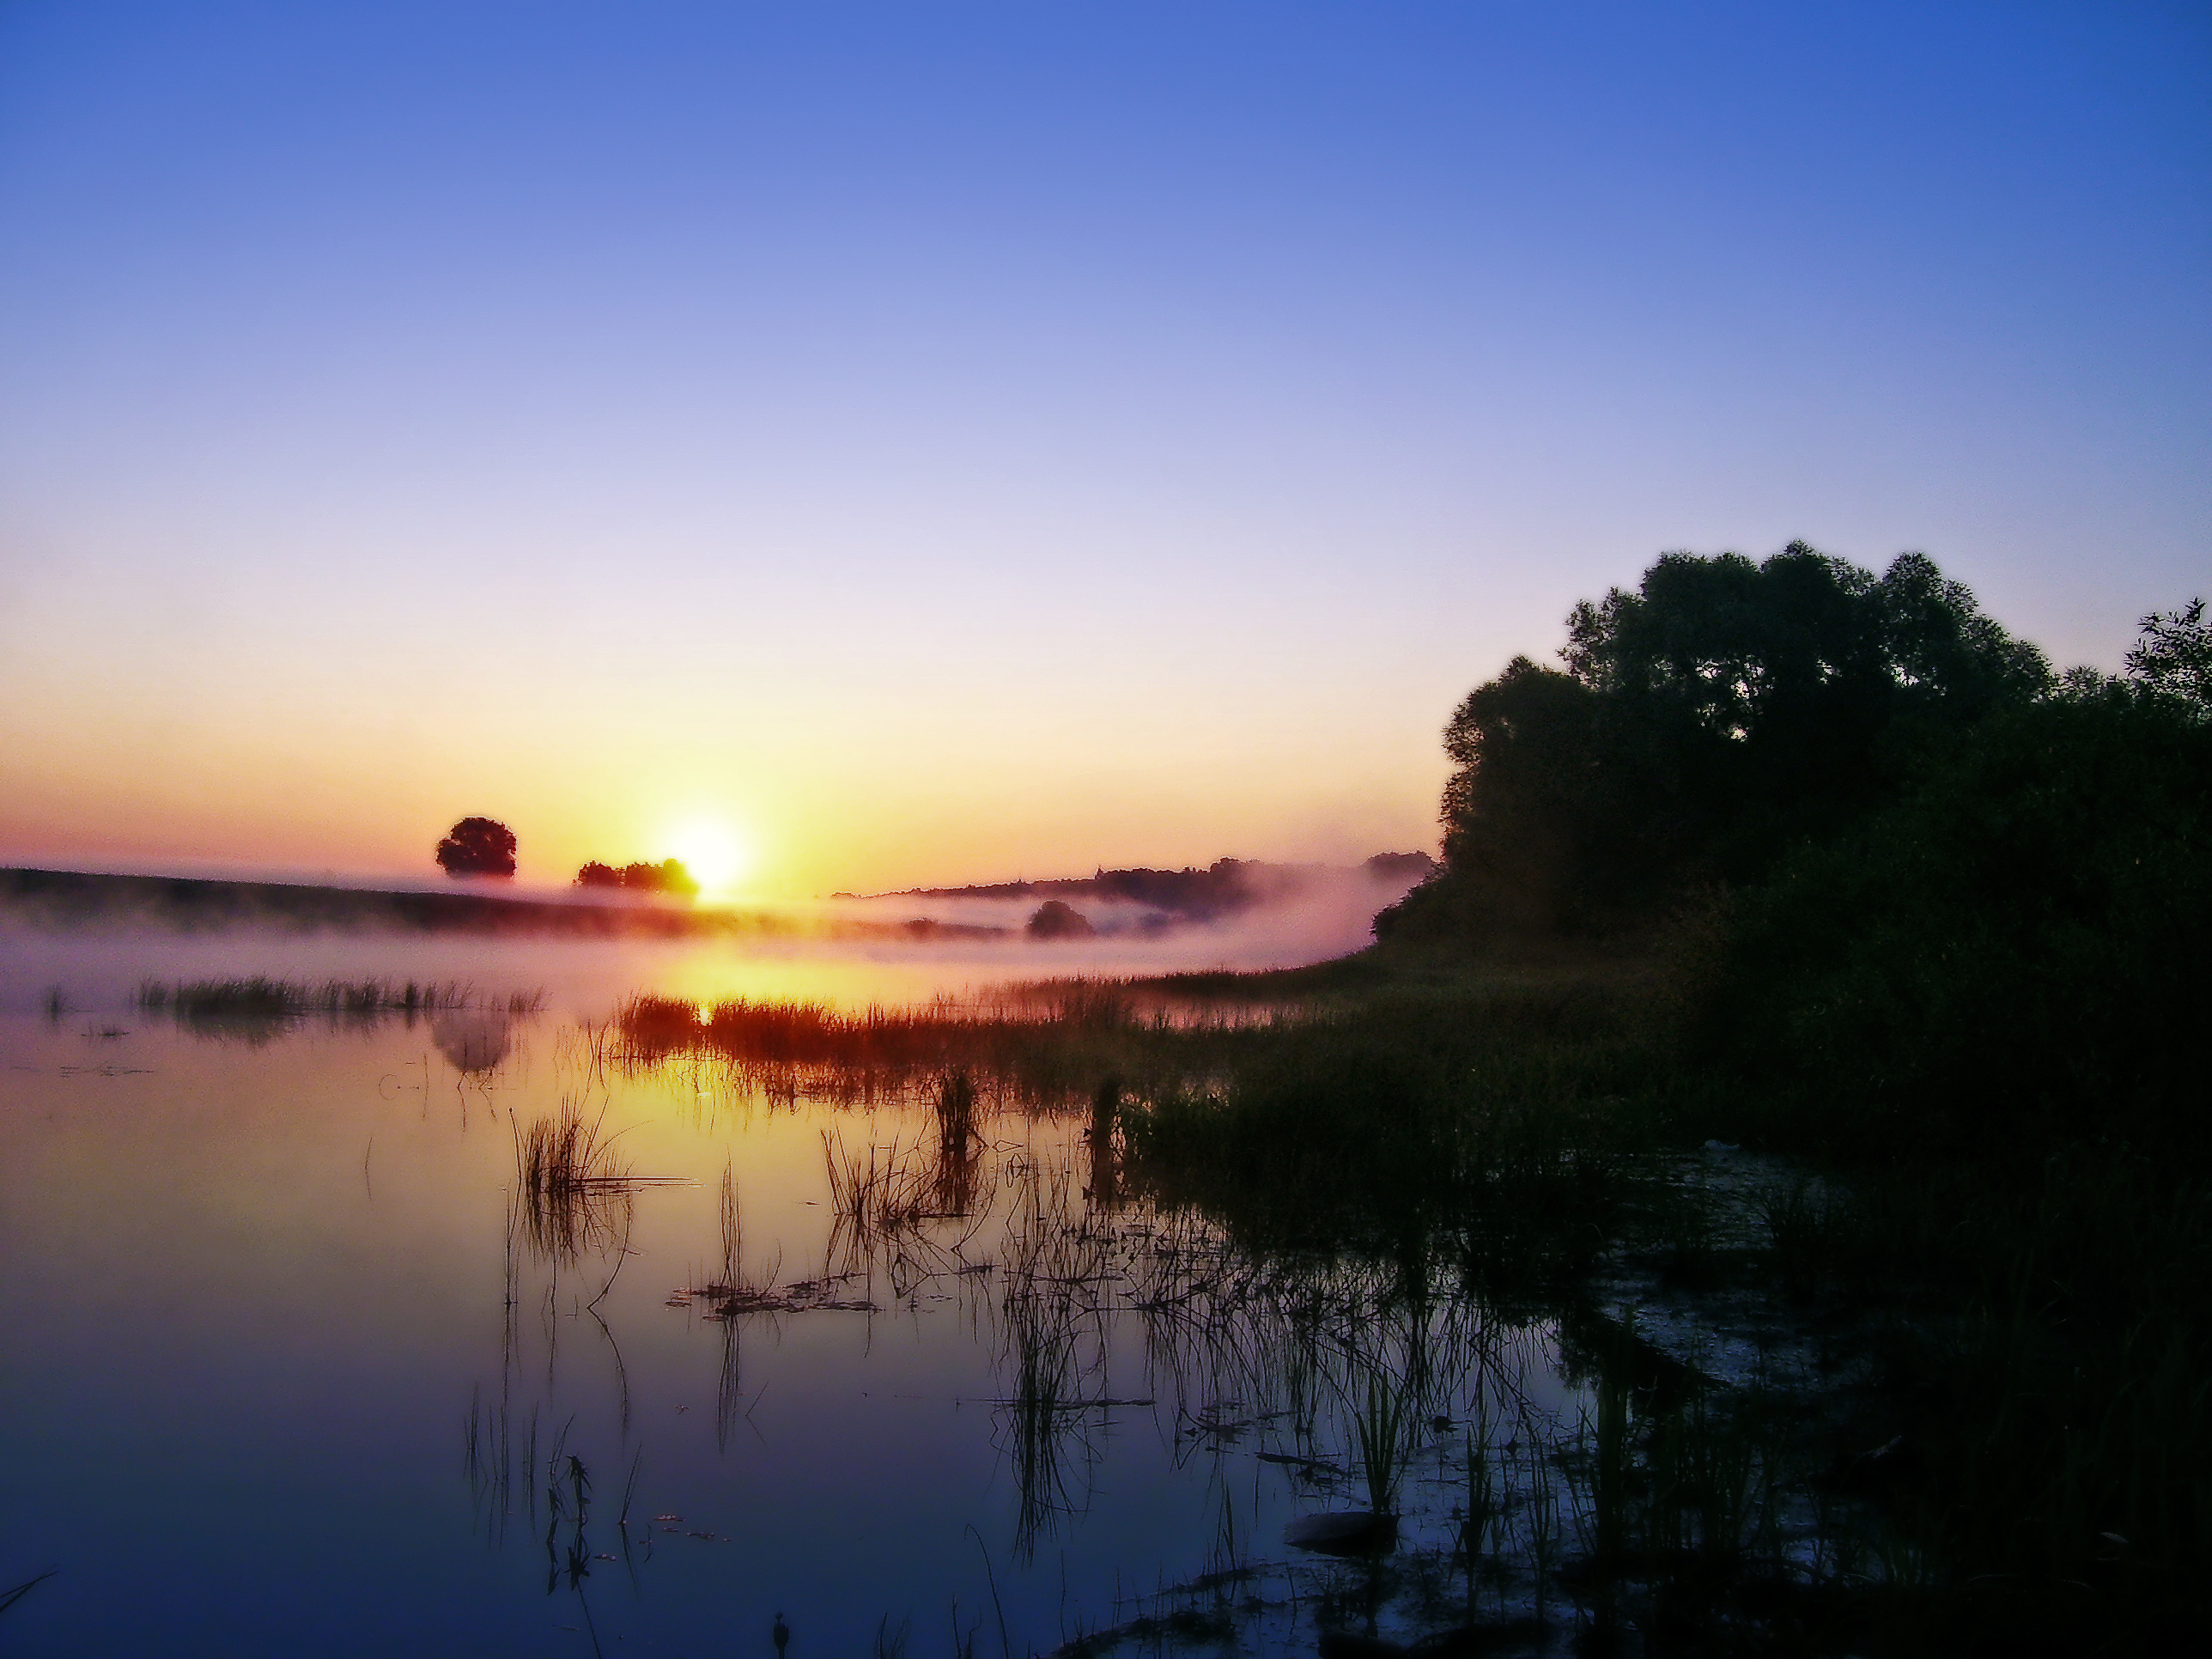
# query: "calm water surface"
296,1363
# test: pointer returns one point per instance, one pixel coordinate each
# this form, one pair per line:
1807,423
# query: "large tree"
478,847
2019,937
2173,658
1721,711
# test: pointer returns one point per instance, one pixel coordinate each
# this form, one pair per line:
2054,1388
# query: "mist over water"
100,968
459,1325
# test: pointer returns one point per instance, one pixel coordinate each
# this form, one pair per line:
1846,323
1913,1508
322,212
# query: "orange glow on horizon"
716,857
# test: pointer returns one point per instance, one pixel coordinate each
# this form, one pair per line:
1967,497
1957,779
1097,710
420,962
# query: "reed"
1380,1428
573,1192
1374,1176
9,1597
258,999
1044,1046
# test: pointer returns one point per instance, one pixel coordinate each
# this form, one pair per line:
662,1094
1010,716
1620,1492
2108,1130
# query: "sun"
712,853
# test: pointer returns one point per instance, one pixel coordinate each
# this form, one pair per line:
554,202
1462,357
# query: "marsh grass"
1039,1046
2016,1452
887,1191
1060,1277
252,1005
572,1191
1381,1429
1043,1434
1501,1102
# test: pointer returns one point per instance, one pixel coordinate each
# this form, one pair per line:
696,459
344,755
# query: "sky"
921,443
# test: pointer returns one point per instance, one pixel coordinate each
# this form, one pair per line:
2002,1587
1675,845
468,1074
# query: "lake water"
298,1361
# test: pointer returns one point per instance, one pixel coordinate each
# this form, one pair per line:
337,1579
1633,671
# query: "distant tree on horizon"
478,847
1055,919
668,875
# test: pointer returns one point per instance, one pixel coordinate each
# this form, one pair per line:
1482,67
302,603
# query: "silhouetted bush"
1055,919
2172,662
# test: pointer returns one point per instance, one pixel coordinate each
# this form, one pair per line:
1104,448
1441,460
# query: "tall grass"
572,1191
1045,1045
211,1003
2028,1460
1381,1427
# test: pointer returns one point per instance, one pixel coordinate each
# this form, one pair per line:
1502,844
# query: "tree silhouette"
2173,658
668,875
1699,726
1057,920
478,847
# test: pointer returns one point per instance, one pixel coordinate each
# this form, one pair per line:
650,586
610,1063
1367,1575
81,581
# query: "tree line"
485,847
668,875
1916,868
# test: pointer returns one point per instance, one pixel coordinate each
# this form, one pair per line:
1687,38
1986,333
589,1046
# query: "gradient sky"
946,441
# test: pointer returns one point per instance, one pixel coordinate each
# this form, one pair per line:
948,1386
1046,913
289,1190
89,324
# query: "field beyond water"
1398,1302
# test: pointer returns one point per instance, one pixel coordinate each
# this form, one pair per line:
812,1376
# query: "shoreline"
60,899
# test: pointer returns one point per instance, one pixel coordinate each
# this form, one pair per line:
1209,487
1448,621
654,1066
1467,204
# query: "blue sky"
939,438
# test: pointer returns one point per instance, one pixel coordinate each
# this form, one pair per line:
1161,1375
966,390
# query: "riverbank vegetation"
1818,880
1829,868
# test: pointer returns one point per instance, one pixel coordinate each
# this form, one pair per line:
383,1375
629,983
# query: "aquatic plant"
1046,1044
1381,1427
573,1193
9,1597
218,1006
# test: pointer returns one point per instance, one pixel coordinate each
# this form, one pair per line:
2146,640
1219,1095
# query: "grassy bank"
2027,1421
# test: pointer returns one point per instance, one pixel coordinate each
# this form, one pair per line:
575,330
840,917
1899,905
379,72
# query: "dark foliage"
1951,954
2173,659
2016,949
1700,726
596,874
478,847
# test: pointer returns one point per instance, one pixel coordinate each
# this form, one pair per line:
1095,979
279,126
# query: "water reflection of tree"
475,1032
474,1041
